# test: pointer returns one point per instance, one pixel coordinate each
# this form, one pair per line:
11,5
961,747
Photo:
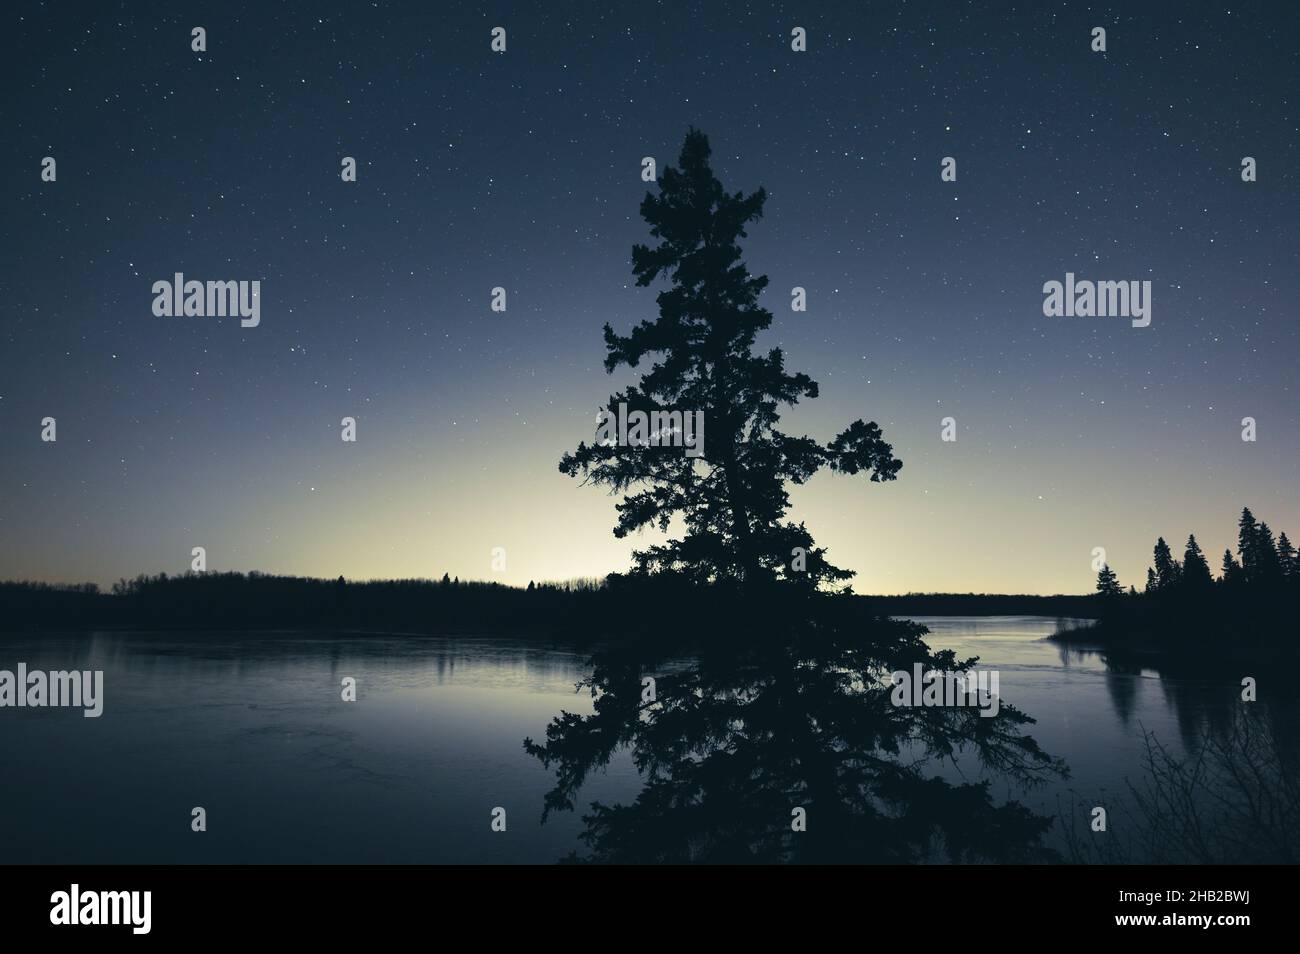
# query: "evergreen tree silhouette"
1196,572
1268,565
733,499
1247,533
1167,568
1151,581
1286,555
1108,582
1232,572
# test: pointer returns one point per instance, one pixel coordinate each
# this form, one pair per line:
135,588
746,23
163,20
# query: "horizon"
437,580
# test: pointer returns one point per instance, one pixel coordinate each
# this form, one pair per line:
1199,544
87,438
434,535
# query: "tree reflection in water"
782,714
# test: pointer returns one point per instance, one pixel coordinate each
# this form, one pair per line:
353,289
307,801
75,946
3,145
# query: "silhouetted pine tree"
1108,582
1232,572
1167,568
733,500
1269,567
1287,557
1196,572
1247,535
1151,586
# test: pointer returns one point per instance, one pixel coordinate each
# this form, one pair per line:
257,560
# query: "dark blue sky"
522,169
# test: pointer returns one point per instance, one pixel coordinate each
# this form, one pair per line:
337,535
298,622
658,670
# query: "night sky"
522,170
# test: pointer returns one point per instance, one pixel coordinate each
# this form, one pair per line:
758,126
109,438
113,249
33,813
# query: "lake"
252,727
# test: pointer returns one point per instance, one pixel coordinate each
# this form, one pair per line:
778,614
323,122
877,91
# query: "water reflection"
741,734
251,726
748,736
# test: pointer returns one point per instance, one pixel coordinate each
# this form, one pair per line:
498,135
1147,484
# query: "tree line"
1253,595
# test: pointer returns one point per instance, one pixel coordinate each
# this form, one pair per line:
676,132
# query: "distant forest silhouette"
1251,602
586,609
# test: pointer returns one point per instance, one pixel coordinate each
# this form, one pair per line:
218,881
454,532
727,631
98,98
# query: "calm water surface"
252,728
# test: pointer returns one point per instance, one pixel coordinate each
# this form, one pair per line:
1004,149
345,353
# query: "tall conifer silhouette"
1270,567
733,500
1107,582
1168,570
1247,545
1286,555
1196,571
1232,574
